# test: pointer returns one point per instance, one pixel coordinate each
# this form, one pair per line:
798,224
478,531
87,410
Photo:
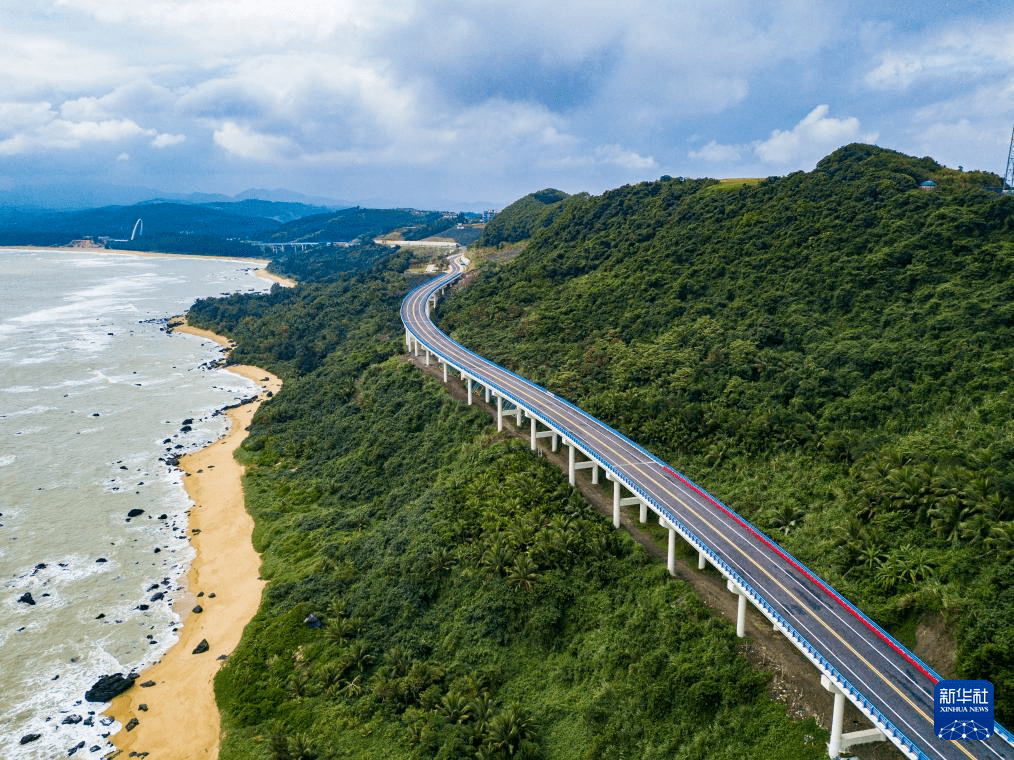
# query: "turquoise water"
93,397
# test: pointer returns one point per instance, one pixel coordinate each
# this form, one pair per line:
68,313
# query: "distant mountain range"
71,197
218,226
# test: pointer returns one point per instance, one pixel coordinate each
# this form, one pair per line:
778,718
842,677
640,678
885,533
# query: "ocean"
95,399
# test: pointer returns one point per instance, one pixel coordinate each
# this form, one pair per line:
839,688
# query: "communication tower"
1008,175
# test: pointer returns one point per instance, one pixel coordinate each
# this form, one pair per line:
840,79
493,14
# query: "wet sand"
177,716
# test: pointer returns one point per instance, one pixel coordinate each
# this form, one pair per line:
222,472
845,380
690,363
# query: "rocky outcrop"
109,686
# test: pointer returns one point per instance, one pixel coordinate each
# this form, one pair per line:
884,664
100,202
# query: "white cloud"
35,63
624,159
575,93
37,127
816,135
166,141
963,54
243,142
811,139
716,153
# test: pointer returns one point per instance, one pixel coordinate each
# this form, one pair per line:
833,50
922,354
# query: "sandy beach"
177,718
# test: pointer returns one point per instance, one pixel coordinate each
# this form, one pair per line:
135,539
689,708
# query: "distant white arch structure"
138,229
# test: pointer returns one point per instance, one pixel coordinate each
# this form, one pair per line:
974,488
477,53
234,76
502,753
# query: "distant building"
488,214
928,186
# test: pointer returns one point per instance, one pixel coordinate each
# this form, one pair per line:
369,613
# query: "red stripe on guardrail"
809,576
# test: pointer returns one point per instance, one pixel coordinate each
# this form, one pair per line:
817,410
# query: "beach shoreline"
260,264
223,583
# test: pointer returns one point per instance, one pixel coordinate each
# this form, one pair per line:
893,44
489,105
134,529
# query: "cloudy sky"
453,103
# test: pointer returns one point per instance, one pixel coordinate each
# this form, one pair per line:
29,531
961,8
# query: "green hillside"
466,602
351,224
829,352
523,218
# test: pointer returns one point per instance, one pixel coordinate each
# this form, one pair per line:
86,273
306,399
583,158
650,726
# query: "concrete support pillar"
840,742
644,512
571,473
616,504
671,556
837,719
741,617
408,339
519,414
702,560
595,474
415,346
486,390
427,357
556,443
534,433
499,413
740,609
468,385
445,371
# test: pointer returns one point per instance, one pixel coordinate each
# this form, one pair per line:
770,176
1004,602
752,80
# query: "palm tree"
497,558
339,630
871,556
455,708
359,657
786,517
511,734
947,516
440,561
523,573
1001,541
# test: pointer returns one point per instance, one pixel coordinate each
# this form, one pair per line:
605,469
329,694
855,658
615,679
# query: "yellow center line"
665,487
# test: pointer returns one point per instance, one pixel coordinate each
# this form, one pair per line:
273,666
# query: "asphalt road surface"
884,676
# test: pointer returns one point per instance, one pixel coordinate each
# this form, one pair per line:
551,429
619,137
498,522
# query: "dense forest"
436,591
523,218
829,352
357,223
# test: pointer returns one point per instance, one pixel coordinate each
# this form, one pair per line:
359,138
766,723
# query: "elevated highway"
856,659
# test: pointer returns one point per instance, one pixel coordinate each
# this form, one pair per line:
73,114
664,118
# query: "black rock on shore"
110,686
